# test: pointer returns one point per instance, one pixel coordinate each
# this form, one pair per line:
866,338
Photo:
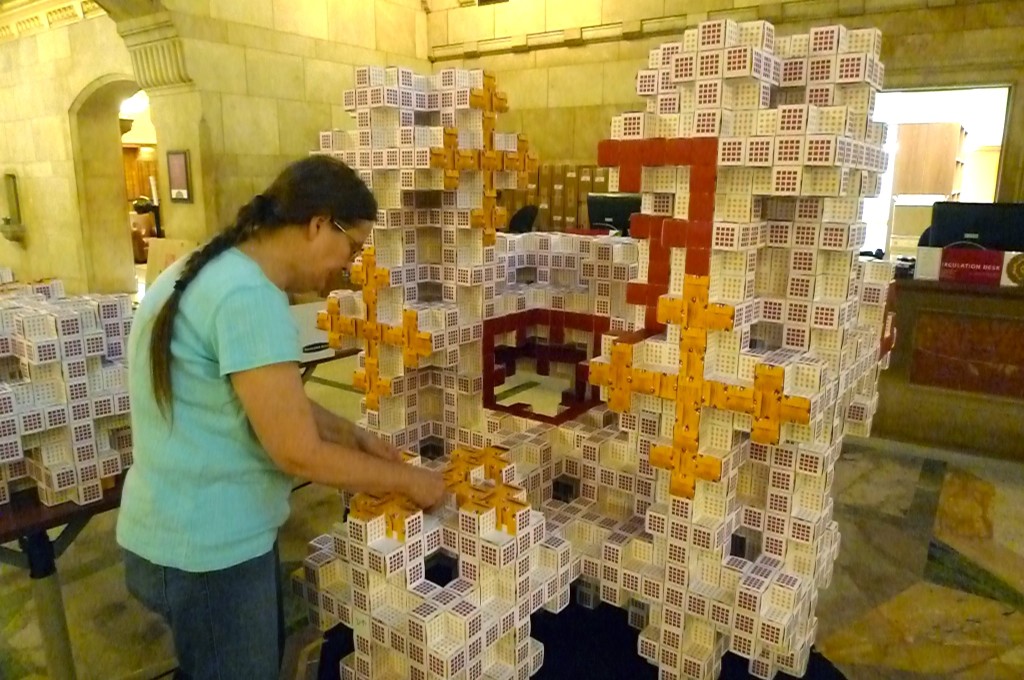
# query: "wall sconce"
10,225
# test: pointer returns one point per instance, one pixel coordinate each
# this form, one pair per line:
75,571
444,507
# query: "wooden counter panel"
925,286
969,353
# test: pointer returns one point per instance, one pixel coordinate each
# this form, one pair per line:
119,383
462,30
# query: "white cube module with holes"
65,392
676,493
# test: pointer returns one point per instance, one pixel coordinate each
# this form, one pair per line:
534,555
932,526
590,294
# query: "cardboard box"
518,200
565,188
583,215
585,176
557,202
547,181
570,179
571,206
543,222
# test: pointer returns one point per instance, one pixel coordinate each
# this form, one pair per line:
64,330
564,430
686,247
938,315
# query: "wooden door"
139,165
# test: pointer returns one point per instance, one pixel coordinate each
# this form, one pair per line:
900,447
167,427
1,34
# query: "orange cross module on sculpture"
765,402
478,481
416,344
372,278
453,160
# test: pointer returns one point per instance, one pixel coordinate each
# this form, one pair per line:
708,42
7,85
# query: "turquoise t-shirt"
203,494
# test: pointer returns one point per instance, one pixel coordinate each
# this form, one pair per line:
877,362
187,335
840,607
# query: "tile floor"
929,582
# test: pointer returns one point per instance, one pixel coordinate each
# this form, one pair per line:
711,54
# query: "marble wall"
567,68
40,83
262,78
265,75
268,75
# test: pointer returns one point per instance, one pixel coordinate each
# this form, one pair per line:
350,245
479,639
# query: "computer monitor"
999,226
612,210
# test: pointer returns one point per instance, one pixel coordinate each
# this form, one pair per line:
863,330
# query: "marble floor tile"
931,630
883,485
979,517
951,568
865,643
993,669
112,634
876,562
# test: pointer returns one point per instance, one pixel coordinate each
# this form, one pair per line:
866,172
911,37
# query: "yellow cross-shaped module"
337,325
508,500
372,278
415,344
396,508
765,401
491,458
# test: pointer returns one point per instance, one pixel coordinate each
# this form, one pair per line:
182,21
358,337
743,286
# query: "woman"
221,422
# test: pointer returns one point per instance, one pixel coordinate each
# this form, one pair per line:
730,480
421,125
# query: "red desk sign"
969,265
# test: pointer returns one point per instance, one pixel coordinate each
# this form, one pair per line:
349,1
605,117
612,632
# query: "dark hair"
315,186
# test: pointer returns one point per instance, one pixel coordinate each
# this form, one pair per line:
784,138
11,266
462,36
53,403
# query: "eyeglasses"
357,247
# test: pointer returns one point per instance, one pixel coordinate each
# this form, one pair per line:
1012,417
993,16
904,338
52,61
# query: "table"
27,521
313,341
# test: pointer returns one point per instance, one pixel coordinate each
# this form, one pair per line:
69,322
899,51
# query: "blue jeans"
226,624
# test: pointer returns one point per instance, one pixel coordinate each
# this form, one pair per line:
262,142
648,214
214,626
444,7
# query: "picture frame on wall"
179,179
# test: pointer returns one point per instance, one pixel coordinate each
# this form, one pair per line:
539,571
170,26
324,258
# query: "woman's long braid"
316,186
246,223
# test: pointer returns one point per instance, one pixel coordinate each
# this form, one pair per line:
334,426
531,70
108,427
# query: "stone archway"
99,174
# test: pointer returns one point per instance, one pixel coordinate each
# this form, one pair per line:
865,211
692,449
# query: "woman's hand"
425,487
375,446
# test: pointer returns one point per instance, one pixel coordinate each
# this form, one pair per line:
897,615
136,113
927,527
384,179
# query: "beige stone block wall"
271,76
563,98
928,43
189,120
41,76
266,76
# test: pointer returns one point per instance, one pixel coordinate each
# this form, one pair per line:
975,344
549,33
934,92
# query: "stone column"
182,123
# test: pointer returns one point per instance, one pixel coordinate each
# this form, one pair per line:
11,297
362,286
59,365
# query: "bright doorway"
952,144
139,152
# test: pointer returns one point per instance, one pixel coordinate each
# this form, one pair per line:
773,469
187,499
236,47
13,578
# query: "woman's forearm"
347,468
334,428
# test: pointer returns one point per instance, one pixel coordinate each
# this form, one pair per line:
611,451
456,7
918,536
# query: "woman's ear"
316,224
